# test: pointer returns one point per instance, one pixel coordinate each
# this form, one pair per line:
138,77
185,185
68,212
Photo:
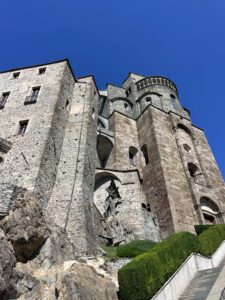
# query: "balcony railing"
30,100
155,80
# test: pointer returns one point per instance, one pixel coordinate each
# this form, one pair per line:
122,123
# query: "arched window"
185,128
193,170
132,153
104,148
210,211
144,150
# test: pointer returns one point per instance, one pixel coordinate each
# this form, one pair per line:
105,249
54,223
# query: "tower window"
16,75
145,154
1,160
187,147
132,153
34,95
193,170
172,96
35,91
23,127
3,99
128,91
41,71
148,99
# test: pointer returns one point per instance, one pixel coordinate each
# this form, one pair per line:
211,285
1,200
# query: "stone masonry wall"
71,200
52,151
21,164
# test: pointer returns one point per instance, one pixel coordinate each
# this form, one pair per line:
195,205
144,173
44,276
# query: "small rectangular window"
16,75
23,127
35,91
33,97
41,71
3,99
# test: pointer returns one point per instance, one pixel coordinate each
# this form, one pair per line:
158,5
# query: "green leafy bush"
210,239
134,248
144,276
200,228
110,253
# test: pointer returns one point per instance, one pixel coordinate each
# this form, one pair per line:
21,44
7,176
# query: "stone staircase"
202,283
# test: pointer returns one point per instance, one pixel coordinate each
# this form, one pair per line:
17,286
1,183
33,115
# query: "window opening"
132,153
34,95
143,205
145,154
16,75
93,113
193,169
3,99
128,91
41,71
35,91
209,218
22,127
1,160
148,99
67,105
187,147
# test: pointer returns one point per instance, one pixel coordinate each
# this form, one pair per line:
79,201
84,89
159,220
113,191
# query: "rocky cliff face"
37,259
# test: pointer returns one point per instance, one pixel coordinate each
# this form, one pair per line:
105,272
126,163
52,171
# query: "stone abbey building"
108,166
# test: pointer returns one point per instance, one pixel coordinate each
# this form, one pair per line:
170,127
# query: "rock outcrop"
37,259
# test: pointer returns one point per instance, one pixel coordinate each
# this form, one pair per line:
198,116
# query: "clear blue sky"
180,39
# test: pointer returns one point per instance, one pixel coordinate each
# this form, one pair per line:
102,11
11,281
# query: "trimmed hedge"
146,274
200,228
134,248
211,239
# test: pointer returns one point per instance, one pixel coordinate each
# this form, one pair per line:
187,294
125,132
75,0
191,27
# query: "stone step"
201,284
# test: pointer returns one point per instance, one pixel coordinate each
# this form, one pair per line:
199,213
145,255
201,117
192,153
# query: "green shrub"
134,248
145,275
210,239
110,252
200,228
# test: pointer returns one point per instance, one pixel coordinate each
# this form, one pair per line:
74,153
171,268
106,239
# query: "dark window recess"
132,153
1,160
16,75
128,91
41,71
22,127
33,98
3,99
209,218
144,151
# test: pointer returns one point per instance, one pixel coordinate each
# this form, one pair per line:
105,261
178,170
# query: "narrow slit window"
144,151
3,99
23,127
